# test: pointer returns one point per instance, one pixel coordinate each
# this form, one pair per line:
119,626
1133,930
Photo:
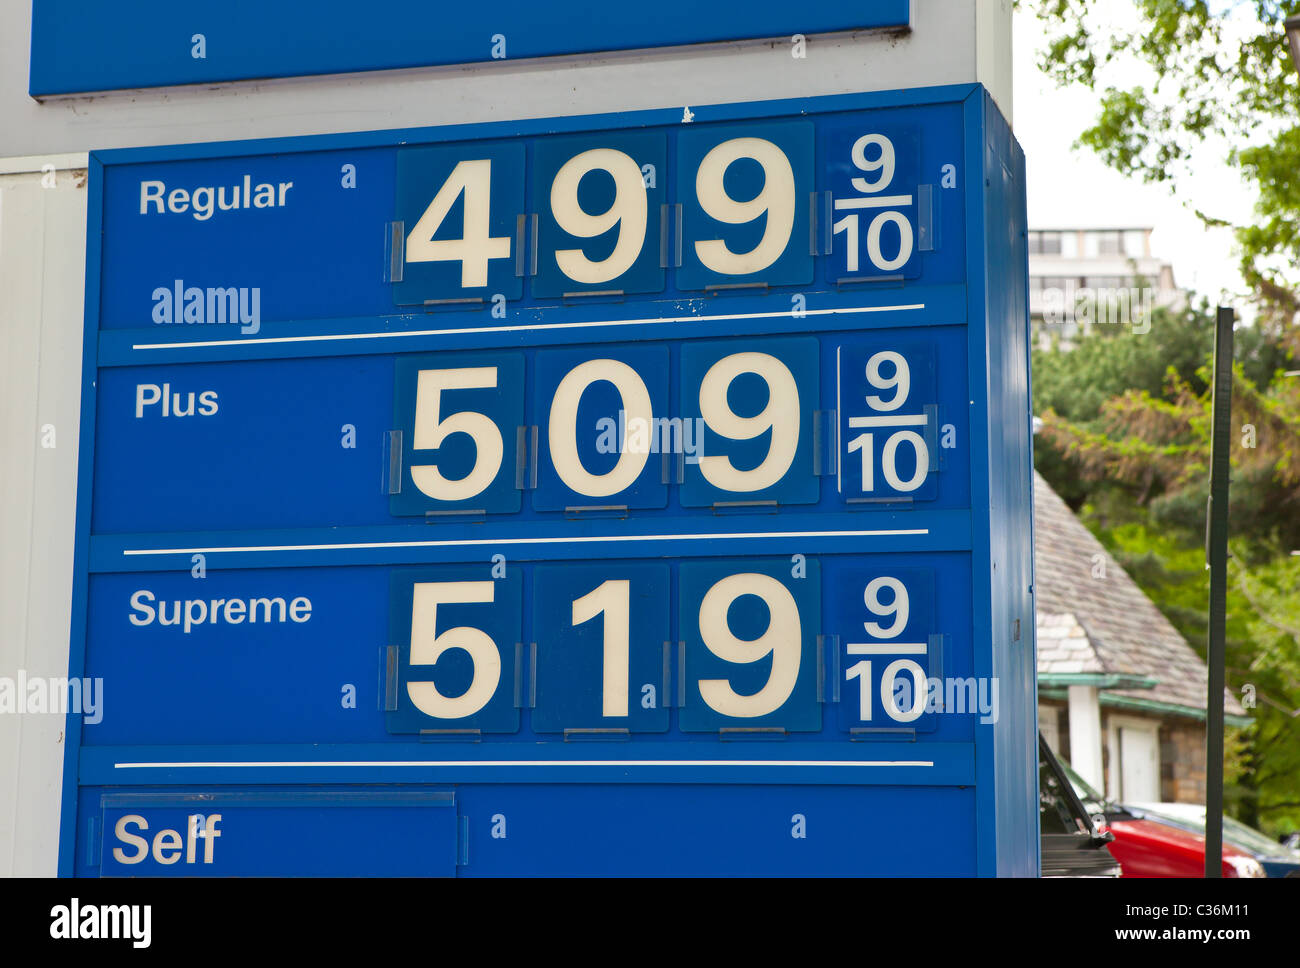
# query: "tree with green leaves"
1212,77
1126,417
1125,438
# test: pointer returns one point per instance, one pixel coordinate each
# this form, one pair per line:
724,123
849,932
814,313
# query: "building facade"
1121,692
1079,278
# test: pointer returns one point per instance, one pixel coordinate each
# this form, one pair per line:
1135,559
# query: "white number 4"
477,246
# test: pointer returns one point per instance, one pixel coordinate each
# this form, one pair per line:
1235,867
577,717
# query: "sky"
1069,187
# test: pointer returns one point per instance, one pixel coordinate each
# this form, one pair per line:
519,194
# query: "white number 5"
427,645
431,429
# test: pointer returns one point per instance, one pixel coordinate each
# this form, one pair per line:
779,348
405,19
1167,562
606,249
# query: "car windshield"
1093,801
1192,816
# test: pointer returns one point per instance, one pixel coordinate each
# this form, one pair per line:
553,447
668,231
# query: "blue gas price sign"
623,471
79,46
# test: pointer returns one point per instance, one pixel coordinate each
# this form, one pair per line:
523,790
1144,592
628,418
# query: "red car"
1145,848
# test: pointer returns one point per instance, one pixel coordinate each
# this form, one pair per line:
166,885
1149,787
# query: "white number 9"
897,608
900,382
781,640
883,163
780,415
776,200
628,212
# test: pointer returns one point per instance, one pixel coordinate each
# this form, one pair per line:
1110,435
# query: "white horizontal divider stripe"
513,329
886,648
576,539
516,763
873,201
889,420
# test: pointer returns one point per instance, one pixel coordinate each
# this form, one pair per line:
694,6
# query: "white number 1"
613,599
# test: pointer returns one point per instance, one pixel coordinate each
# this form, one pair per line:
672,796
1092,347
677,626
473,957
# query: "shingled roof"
1093,620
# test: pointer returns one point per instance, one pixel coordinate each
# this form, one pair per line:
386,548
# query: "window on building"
1044,243
1110,243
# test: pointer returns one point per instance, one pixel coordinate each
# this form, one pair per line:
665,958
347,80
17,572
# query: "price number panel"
597,428
886,663
882,220
753,645
750,653
597,414
463,231
692,208
457,634
889,424
602,653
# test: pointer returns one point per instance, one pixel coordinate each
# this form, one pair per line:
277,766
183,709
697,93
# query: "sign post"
636,494
1216,559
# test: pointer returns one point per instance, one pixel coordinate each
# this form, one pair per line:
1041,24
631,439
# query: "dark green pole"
1216,556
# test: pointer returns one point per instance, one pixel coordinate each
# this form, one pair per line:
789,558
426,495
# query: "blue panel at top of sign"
595,413
600,199
459,207
373,833
80,46
750,405
602,647
746,212
459,415
221,248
